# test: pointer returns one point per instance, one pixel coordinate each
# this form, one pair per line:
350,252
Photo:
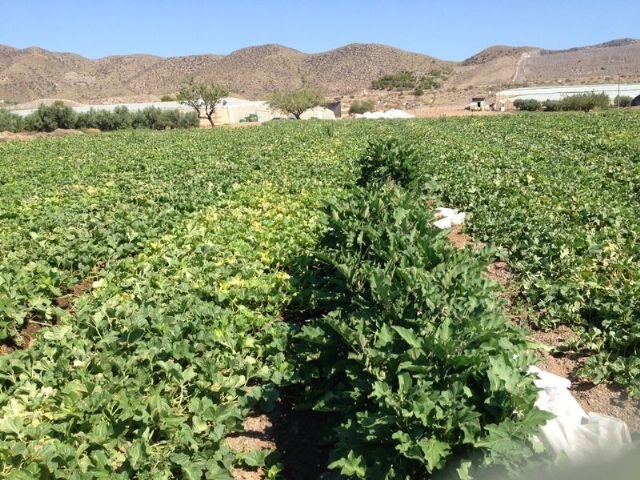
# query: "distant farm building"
505,98
478,103
335,107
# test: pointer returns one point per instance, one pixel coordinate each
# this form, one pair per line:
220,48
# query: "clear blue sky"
451,30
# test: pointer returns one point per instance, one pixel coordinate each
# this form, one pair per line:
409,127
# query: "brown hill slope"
602,62
255,72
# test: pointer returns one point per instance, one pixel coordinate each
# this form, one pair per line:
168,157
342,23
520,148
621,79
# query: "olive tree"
297,101
204,98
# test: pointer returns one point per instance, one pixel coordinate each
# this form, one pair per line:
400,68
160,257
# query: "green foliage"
404,80
527,105
48,118
388,161
10,122
552,105
412,352
190,260
167,98
407,80
179,338
622,101
361,106
249,118
584,102
203,98
296,102
559,195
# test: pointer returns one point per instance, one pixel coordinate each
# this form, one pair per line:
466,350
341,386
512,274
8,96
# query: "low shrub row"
51,117
579,103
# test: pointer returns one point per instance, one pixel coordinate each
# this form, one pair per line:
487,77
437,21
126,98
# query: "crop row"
198,233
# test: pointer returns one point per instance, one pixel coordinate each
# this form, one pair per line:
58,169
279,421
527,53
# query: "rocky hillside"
255,72
252,72
604,62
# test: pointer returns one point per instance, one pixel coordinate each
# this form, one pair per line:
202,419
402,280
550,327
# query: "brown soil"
27,333
603,399
66,302
499,273
461,240
14,137
295,435
257,435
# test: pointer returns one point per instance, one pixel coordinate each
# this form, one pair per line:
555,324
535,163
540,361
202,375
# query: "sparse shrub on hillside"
418,92
48,118
406,80
167,98
10,122
527,105
622,101
429,83
397,81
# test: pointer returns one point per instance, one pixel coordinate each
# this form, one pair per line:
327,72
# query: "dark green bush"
551,105
622,101
416,379
400,80
362,106
388,161
407,80
122,118
527,105
10,122
584,102
48,118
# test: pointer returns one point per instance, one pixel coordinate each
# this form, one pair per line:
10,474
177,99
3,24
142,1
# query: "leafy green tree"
203,98
296,102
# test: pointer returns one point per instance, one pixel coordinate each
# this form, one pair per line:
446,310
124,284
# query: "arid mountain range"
255,72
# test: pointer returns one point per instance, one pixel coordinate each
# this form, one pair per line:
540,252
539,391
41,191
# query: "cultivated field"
160,292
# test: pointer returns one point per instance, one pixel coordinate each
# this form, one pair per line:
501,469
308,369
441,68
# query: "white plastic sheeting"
448,217
320,113
581,437
387,114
